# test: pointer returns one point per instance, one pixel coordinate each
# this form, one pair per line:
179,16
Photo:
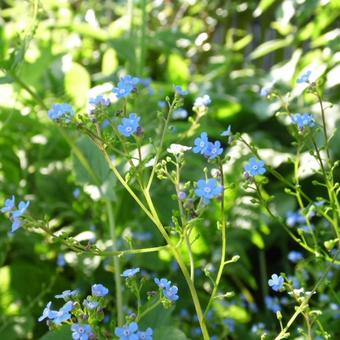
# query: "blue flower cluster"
276,282
208,189
63,112
296,218
98,102
206,148
71,311
180,91
254,167
57,317
125,86
15,215
130,332
201,103
170,292
303,120
129,125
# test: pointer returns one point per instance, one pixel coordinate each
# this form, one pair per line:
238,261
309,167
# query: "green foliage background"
55,51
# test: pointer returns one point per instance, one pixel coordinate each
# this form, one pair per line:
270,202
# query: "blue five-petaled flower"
145,335
303,120
171,293
129,125
162,283
127,332
208,189
128,273
213,150
15,215
61,111
99,290
276,282
255,167
125,86
81,331
201,143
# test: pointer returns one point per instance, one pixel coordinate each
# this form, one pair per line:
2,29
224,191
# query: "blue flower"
61,111
255,167
293,218
295,256
257,327
129,125
162,283
201,143
180,114
162,104
265,91
99,290
47,313
125,86
227,132
304,78
9,205
230,323
213,150
146,335
76,192
67,294
180,91
202,102
171,293
182,195
127,332
130,272
99,100
90,304
81,331
63,314
303,120
61,260
272,303
22,207
16,224
276,282
208,189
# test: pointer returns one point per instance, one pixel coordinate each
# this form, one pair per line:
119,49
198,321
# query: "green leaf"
109,62
168,333
77,84
270,46
90,167
257,239
63,333
178,70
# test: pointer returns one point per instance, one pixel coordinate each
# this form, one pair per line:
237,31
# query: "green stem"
324,126
148,310
182,265
304,304
116,265
223,262
143,38
159,151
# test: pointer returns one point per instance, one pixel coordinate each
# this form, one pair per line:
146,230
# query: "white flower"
177,149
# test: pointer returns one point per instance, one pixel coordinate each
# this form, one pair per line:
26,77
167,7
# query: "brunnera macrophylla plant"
116,128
